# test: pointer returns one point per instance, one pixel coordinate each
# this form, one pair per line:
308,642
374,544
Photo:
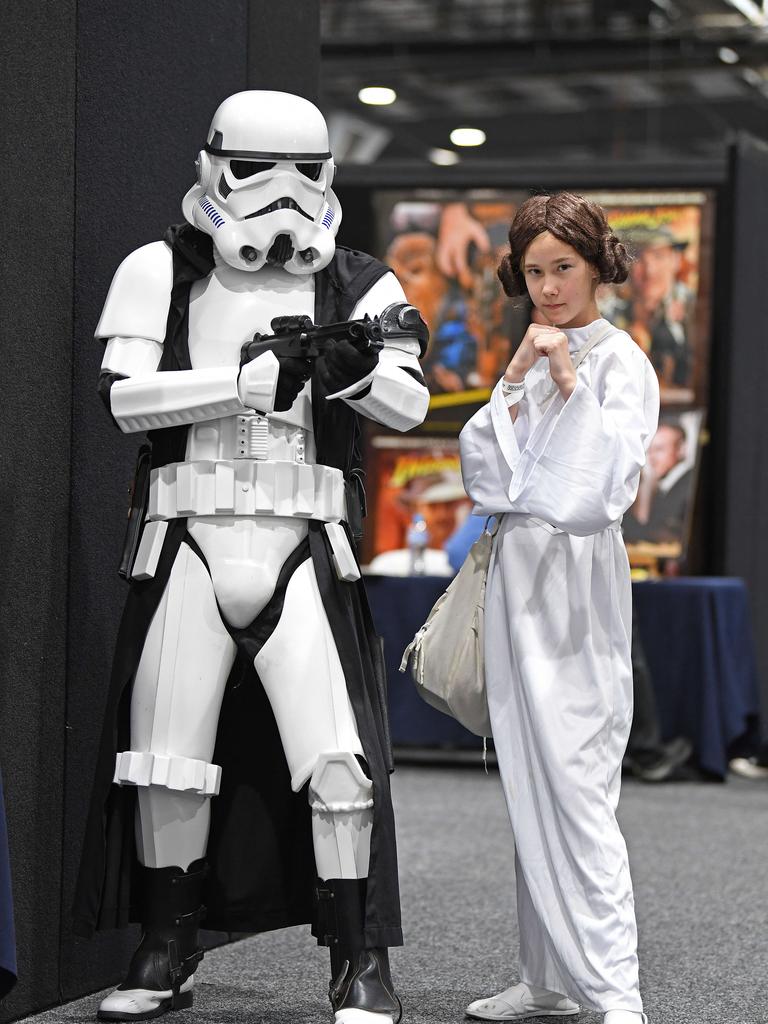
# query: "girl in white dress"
556,455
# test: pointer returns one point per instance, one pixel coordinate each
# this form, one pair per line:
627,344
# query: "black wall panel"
149,78
37,57
743,477
105,106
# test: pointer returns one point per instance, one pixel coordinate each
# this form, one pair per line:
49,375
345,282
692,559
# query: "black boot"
168,953
360,977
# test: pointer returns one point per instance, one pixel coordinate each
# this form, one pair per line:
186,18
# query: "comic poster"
445,247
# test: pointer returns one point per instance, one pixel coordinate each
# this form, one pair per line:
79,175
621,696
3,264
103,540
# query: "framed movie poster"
665,303
658,523
409,477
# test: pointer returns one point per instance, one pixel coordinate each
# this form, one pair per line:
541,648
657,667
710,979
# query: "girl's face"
560,282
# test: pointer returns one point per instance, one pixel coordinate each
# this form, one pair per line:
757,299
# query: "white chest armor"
251,463
226,309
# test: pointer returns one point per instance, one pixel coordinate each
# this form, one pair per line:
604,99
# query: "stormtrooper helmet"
263,188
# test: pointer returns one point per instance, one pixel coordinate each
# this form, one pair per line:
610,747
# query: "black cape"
260,848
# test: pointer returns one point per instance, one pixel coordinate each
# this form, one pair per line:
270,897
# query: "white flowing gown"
557,648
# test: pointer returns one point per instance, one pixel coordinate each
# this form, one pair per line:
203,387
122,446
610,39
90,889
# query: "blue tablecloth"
698,642
7,935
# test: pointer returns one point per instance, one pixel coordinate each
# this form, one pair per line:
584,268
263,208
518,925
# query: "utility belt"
234,487
246,487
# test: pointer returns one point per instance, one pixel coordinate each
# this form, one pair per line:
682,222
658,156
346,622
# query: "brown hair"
576,221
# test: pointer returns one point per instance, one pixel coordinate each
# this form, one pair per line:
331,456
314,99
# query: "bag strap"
581,354
495,529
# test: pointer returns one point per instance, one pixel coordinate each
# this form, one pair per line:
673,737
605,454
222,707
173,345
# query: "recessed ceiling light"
443,157
377,95
467,137
751,11
727,55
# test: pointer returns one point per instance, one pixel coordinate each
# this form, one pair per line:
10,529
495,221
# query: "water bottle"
418,540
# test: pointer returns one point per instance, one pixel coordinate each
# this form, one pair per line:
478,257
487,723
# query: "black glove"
294,373
342,365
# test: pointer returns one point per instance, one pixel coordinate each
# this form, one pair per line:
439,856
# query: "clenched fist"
540,341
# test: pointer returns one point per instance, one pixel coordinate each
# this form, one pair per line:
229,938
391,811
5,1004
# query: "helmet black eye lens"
245,168
311,171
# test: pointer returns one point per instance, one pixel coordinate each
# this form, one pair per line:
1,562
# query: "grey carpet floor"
699,857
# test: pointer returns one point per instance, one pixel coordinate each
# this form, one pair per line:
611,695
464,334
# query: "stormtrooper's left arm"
392,391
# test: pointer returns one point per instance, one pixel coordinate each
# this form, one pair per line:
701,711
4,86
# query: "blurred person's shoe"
521,1002
674,755
748,768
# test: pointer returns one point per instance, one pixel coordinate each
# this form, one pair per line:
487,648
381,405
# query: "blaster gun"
300,338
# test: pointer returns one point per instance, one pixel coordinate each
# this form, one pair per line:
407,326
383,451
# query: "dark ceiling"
571,81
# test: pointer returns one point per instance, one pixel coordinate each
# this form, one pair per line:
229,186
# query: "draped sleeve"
579,468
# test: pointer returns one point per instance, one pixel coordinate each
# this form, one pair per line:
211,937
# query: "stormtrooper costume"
245,567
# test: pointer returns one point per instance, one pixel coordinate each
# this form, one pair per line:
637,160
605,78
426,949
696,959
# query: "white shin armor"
341,797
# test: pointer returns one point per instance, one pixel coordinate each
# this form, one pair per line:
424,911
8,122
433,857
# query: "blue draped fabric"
698,642
7,935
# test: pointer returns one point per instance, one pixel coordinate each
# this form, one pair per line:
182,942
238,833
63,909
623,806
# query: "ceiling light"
443,157
750,10
727,55
753,77
467,137
377,95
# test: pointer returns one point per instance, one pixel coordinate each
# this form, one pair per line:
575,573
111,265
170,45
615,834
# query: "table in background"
698,641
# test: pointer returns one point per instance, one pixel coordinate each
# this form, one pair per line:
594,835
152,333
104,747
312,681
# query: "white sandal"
521,1002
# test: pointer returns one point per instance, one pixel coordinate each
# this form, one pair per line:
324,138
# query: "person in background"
556,455
648,757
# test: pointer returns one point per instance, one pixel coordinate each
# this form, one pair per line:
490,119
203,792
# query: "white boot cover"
142,1003
624,1017
521,1002
353,1016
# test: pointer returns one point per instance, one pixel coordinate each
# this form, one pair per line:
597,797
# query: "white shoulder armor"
139,296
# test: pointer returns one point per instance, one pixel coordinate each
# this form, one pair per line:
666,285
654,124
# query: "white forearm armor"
391,394
147,400
394,394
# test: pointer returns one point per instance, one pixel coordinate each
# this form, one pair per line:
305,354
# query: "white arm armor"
394,392
134,320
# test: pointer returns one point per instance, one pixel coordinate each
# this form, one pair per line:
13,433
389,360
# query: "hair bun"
507,276
618,259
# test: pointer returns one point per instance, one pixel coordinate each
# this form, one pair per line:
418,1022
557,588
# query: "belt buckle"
252,436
